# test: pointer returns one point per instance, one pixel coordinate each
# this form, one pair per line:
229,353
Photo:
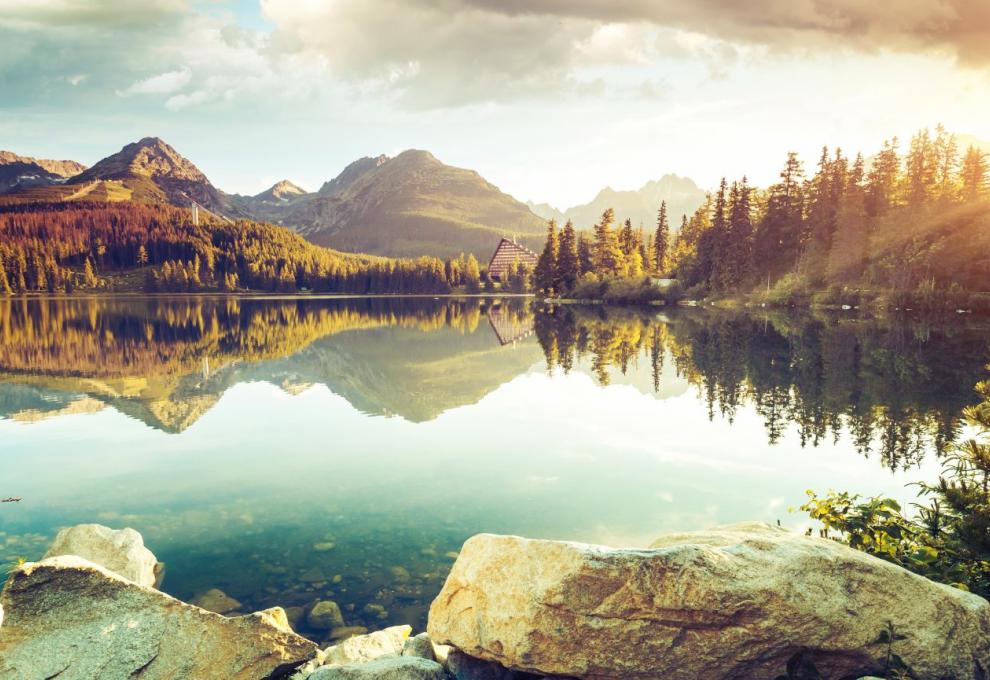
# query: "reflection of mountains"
897,388
167,362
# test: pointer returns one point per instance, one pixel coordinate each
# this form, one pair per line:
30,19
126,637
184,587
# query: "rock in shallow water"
120,550
325,615
73,619
216,601
737,601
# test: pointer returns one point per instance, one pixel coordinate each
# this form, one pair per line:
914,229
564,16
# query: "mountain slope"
23,171
155,172
271,204
412,205
683,197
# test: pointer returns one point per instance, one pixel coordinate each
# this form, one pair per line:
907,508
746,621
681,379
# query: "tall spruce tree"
973,174
609,260
661,240
568,263
586,254
545,276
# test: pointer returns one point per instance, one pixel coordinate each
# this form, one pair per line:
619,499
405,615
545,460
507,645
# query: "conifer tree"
545,276
661,240
586,254
883,179
5,288
973,174
608,256
142,256
89,276
568,264
472,274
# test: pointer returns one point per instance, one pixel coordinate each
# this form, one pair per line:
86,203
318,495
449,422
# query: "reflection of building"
507,253
509,326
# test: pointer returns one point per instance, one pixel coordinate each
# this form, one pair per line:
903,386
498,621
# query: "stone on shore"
368,647
421,646
121,551
737,601
274,617
70,618
216,601
385,668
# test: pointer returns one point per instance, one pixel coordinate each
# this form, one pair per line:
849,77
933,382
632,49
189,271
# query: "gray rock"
732,602
216,601
384,668
76,620
421,646
121,551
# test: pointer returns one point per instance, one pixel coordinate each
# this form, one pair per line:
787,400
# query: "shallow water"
292,450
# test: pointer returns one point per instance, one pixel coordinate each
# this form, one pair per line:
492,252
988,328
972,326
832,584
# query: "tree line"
70,246
914,223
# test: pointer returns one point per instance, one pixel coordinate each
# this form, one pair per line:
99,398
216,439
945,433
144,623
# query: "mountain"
24,171
271,204
683,197
155,172
412,205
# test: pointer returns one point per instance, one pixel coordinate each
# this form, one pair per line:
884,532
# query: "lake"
285,450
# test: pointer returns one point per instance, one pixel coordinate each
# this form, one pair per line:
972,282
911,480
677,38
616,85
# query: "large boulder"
733,602
120,550
389,641
76,620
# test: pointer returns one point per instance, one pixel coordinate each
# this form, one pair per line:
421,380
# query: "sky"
551,100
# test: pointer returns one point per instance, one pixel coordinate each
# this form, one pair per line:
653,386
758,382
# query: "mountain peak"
353,172
63,168
281,191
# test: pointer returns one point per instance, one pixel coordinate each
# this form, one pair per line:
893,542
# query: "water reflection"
167,362
896,386
244,437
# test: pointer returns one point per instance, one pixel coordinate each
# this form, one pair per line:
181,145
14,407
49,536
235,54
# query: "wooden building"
507,253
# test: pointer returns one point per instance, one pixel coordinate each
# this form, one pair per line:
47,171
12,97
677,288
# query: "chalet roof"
512,246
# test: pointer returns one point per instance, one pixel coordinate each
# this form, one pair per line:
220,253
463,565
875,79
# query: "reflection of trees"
896,388
104,338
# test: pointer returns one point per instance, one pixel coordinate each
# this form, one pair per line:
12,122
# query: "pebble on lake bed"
324,546
217,601
325,615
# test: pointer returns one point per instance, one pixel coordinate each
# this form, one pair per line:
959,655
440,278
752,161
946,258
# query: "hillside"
412,205
23,171
146,171
682,195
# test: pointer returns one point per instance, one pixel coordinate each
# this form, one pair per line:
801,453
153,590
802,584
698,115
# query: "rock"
294,615
421,646
344,632
71,618
367,647
460,666
400,574
325,546
274,617
120,550
325,615
312,575
737,601
385,668
375,610
217,601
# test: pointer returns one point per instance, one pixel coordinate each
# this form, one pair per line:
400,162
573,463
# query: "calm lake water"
292,449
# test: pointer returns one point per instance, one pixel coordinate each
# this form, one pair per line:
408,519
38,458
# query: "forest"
911,229
62,248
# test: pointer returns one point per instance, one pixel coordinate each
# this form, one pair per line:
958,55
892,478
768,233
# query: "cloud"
163,83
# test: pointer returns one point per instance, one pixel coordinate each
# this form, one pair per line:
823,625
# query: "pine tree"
973,174
5,288
627,239
142,256
568,263
545,275
472,274
883,179
89,276
851,241
661,240
608,256
586,254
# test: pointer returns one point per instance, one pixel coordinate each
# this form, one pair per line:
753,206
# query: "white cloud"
163,83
